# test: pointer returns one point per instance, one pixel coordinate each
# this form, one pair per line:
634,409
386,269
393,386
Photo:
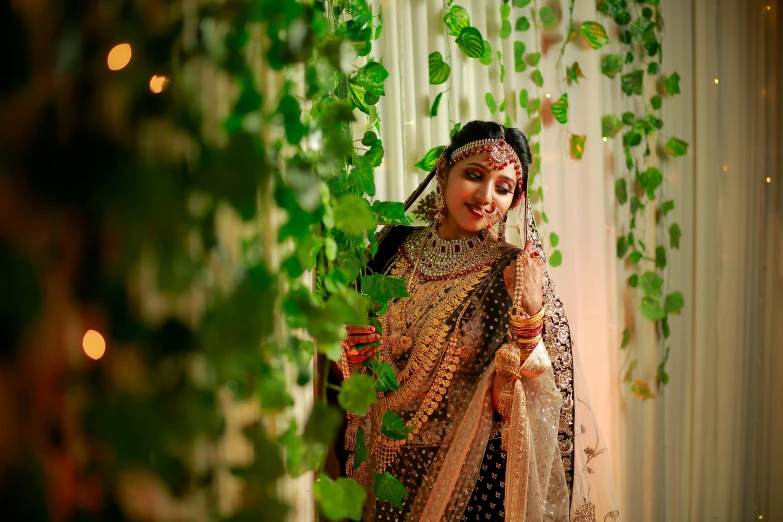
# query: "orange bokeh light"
158,83
119,56
94,345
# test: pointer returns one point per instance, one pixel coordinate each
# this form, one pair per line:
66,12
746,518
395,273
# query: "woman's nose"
483,194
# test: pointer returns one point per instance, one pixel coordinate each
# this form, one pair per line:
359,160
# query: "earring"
440,207
502,230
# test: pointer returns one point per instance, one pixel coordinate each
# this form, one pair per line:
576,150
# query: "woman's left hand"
532,279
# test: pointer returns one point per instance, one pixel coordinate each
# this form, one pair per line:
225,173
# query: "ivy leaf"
621,191
660,257
635,257
505,12
435,105
610,125
611,65
357,94
393,427
622,246
381,289
537,78
663,377
389,489
653,68
300,456
439,70
651,179
374,156
651,309
676,147
548,18
369,138
650,284
578,145
623,18
626,338
372,77
628,117
353,215
534,126
386,378
641,390
360,449
595,34
672,84
665,327
340,499
556,259
629,373
502,107
560,109
490,101
428,161
523,24
523,98
656,102
632,83
357,393
456,20
486,56
391,213
575,72
642,30
633,281
505,29
554,239
610,8
674,236
667,206
532,59
631,139
519,56
674,303
323,423
636,205
521,3
470,42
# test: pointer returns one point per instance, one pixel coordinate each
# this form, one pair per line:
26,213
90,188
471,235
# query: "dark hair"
483,130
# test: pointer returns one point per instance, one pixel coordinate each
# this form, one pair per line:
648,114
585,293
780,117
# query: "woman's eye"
503,190
472,175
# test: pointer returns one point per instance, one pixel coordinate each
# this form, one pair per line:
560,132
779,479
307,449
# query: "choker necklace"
434,257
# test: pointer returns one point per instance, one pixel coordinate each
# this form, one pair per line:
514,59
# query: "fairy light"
769,180
119,56
604,138
725,168
769,8
548,95
716,81
94,345
158,83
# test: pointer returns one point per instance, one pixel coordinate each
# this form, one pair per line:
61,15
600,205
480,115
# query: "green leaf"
632,83
674,303
471,42
360,449
660,257
656,102
521,3
554,239
651,309
357,94
532,59
653,68
635,257
628,117
631,139
621,191
643,30
523,24
548,18
393,427
391,213
428,161
519,56
663,377
578,145
505,29
629,373
641,390
486,56
389,489
610,8
595,34
357,393
560,109
323,423
650,284
667,207
386,379
369,138
665,327
353,215
626,338
372,77
543,217
556,259
456,20
611,65
623,18
374,156
610,125
300,456
490,101
636,205
651,179
439,70
574,72
674,236
537,78
382,289
340,499
676,147
633,280
672,84
502,107
622,246
505,12
523,98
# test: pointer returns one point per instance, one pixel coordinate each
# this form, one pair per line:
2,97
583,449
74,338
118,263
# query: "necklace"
438,258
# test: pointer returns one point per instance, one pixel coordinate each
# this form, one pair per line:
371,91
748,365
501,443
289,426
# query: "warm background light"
716,81
94,345
119,56
769,180
158,83
604,138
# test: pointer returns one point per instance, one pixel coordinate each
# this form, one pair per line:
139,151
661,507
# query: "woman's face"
472,185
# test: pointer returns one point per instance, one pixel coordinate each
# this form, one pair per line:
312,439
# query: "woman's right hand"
358,335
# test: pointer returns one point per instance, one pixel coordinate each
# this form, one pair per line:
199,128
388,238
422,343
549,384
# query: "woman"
482,350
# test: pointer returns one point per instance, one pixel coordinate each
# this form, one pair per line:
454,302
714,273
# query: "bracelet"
509,361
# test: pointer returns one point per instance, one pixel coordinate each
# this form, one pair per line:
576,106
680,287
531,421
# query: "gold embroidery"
585,512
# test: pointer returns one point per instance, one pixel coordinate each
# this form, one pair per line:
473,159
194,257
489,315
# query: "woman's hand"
358,335
532,280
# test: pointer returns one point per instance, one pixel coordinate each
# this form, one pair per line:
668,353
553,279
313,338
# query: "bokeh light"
119,56
158,83
94,344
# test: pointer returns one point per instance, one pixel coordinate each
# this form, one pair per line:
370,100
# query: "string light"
158,83
769,180
769,7
93,344
604,138
725,168
119,56
716,81
548,95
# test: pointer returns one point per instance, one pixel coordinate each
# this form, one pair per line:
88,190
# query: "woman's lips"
475,210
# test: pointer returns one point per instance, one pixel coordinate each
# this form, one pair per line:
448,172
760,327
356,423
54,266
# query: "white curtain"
706,448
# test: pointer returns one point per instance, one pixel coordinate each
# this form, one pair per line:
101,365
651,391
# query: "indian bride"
500,425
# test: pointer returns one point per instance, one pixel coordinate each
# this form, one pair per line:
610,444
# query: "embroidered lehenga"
442,341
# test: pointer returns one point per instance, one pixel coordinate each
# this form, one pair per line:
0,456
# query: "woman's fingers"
363,339
354,329
363,355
